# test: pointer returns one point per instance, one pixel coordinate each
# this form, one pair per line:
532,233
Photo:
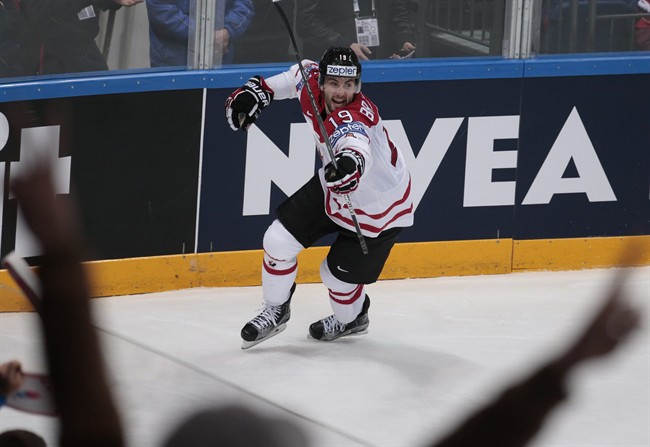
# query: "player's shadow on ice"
419,366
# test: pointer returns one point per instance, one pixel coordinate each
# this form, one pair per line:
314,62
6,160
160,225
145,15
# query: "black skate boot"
269,322
330,328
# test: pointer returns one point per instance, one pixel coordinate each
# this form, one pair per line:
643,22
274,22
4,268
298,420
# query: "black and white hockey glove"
345,179
245,104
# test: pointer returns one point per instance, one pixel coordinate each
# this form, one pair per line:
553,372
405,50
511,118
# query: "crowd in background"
42,37
45,37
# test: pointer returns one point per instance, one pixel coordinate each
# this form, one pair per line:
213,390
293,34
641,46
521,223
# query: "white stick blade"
24,276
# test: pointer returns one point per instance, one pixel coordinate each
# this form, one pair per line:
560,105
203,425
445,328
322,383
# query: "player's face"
338,92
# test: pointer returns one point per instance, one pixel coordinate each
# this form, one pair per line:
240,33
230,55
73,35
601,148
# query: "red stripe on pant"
355,294
273,271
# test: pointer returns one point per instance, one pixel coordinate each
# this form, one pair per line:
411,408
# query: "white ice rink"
436,349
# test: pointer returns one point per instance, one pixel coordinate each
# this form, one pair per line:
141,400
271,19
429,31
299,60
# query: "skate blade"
249,344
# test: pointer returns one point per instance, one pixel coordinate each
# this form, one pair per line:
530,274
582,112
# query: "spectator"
170,24
642,27
235,426
59,36
87,414
321,24
21,438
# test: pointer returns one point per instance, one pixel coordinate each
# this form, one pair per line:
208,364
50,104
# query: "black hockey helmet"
340,61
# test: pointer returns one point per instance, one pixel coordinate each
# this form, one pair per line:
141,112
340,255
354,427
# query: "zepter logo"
342,70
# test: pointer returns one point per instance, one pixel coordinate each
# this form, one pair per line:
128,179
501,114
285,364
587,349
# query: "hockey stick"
321,126
26,279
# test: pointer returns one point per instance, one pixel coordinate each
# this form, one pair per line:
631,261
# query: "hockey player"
371,170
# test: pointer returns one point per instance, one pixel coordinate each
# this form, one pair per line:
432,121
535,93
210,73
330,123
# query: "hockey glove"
345,179
245,104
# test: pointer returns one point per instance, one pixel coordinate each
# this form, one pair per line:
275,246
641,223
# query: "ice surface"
436,349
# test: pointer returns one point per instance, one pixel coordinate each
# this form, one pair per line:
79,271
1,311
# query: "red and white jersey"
383,198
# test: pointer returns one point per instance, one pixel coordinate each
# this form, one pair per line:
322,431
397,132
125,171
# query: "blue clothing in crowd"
170,24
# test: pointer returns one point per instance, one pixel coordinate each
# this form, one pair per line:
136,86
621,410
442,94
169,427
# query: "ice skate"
268,323
330,328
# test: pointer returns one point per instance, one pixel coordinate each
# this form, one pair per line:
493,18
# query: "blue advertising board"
523,158
584,157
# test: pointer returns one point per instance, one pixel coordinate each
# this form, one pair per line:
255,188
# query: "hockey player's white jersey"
383,198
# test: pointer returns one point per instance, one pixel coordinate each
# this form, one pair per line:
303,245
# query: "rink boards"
515,166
